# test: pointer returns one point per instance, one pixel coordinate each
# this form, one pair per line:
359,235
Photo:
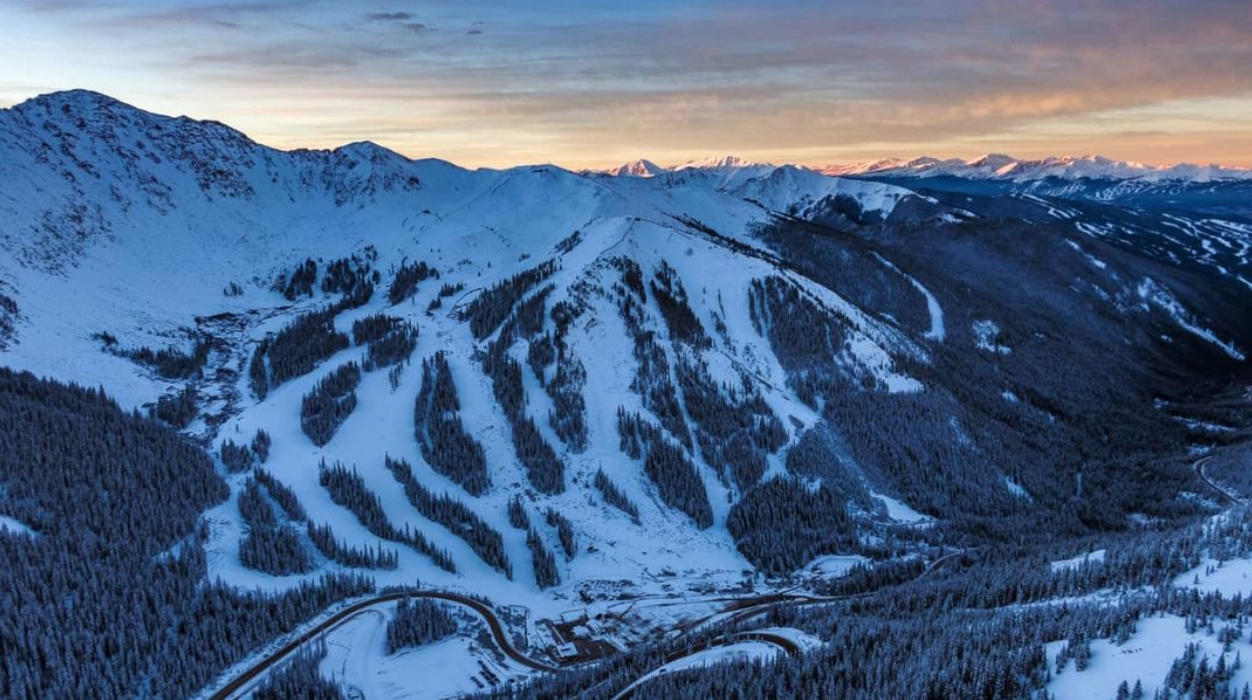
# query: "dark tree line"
445,291
109,599
652,379
517,513
348,275
671,298
301,281
329,403
8,316
614,496
240,458
805,338
486,541
177,409
270,546
546,573
821,454
735,427
1194,677
568,417
282,495
391,349
340,552
677,482
299,677
445,444
417,623
530,315
489,309
169,362
303,343
236,458
390,340
261,445
295,349
540,354
564,531
370,328
782,524
348,489
543,467
406,279
254,508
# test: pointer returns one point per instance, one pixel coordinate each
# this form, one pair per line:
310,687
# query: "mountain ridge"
658,370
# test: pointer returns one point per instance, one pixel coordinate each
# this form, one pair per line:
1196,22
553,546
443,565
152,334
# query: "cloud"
798,76
389,16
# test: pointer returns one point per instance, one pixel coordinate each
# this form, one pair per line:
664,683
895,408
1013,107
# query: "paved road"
1226,495
787,646
754,608
764,604
254,672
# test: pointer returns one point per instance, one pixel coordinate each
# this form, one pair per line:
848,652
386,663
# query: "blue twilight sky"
594,83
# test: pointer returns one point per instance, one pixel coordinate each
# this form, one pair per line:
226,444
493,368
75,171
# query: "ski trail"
937,330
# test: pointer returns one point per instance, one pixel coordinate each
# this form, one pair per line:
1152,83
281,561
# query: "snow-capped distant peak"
637,168
723,163
1004,167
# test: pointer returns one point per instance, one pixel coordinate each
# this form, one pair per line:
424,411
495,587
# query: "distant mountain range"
993,166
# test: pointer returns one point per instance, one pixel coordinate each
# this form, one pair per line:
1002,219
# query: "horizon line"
605,166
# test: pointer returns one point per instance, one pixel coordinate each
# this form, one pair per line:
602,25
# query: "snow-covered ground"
1157,641
1229,578
1075,562
15,526
1145,657
148,228
356,656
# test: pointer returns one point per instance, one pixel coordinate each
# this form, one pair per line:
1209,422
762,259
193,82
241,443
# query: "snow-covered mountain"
637,168
1004,167
582,390
992,166
168,229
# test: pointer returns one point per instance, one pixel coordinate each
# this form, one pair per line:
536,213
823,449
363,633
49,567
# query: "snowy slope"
154,230
137,225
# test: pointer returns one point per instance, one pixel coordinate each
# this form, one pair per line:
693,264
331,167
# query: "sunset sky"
589,83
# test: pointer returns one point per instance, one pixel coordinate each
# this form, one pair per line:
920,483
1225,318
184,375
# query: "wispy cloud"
592,81
389,16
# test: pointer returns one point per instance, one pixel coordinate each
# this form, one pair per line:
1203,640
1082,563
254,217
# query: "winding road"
787,645
754,607
245,679
1226,495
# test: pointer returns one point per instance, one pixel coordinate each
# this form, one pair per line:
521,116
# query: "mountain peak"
78,99
641,167
727,162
